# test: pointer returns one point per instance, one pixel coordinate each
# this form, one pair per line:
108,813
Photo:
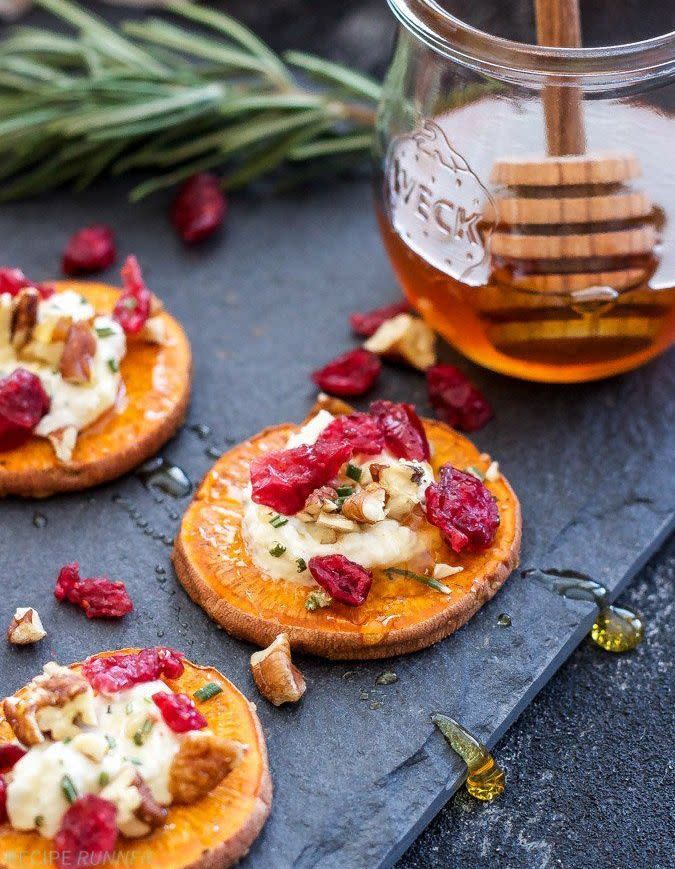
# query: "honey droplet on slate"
504,620
617,629
486,780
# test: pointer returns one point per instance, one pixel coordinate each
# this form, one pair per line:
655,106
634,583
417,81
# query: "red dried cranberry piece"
133,306
89,250
179,712
359,430
456,400
462,507
119,672
99,597
23,403
344,580
284,480
199,208
3,800
12,281
10,754
366,323
88,832
353,373
403,432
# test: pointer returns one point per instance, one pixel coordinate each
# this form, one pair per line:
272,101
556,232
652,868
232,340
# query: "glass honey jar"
526,192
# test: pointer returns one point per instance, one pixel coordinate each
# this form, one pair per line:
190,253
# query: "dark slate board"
356,777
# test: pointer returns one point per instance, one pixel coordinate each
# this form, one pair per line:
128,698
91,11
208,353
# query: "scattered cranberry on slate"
91,249
199,208
403,432
88,833
98,597
345,581
463,508
114,673
179,712
351,374
456,400
366,323
23,403
134,304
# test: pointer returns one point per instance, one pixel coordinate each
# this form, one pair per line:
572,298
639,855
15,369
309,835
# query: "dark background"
590,769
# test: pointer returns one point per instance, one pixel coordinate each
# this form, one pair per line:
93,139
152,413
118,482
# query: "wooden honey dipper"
569,227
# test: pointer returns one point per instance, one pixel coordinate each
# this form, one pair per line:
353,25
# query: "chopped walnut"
493,473
366,505
202,762
92,745
443,571
405,338
26,627
47,342
154,331
336,522
401,483
137,810
323,500
63,441
274,674
55,703
78,354
24,318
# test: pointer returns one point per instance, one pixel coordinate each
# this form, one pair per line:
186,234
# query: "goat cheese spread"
373,545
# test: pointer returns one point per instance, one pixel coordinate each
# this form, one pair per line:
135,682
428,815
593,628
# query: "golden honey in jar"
547,266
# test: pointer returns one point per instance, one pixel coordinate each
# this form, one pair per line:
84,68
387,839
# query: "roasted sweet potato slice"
400,614
149,410
217,830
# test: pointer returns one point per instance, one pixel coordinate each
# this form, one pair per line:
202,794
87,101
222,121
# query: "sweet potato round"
148,412
400,615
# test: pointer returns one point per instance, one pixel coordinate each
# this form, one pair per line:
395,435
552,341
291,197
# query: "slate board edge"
435,806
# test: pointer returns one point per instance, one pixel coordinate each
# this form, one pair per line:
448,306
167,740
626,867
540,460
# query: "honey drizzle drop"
486,779
615,629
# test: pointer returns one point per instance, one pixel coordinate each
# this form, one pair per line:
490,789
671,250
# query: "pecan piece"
274,674
202,762
55,702
366,505
63,440
26,627
137,810
78,353
407,339
401,483
333,405
322,500
24,318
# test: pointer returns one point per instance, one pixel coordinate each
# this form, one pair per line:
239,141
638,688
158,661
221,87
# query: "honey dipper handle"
559,24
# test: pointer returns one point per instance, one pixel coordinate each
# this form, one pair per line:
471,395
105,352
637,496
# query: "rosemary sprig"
198,92
426,580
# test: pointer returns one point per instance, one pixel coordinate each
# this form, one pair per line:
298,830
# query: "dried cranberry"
456,400
134,304
89,250
118,672
99,597
359,430
3,800
23,403
12,281
465,511
284,480
10,754
88,832
179,712
344,580
353,373
403,432
199,208
366,323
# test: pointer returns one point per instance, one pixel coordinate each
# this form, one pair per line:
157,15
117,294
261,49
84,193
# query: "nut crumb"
26,627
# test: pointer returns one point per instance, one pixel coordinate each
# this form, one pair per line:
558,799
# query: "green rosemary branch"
201,92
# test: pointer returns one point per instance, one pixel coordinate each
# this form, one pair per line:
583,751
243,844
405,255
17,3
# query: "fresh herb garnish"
39,820
69,789
104,331
302,565
277,550
144,731
112,742
345,491
278,521
427,580
103,779
206,692
113,366
317,600
354,472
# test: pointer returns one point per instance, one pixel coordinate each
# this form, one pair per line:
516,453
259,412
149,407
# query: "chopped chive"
134,760
302,565
67,740
109,709
143,732
340,501
206,692
277,550
113,366
345,491
354,472
278,521
112,742
39,819
427,580
69,789
129,708
475,472
103,779
104,331
317,599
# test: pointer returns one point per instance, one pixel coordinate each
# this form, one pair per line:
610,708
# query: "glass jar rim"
597,68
